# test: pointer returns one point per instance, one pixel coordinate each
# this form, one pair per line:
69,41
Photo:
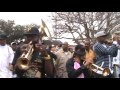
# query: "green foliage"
13,31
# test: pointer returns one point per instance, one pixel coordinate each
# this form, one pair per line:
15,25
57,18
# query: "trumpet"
95,68
24,60
105,71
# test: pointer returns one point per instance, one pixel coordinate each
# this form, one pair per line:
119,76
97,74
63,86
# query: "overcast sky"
24,18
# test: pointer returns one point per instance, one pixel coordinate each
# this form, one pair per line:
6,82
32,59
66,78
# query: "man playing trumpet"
104,53
31,59
116,60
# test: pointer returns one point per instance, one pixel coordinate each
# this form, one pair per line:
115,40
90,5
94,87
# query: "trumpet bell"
24,60
106,72
23,63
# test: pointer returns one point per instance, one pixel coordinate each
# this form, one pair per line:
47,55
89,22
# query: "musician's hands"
88,62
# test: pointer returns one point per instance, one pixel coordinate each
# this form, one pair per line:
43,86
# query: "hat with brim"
32,31
100,34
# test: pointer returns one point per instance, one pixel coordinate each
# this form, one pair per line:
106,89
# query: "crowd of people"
33,59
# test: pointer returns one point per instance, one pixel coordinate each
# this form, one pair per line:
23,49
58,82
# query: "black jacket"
72,73
35,56
16,56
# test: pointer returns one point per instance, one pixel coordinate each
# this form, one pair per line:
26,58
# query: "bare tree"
86,24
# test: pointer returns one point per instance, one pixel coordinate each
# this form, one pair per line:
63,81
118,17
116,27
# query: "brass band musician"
104,53
116,60
31,59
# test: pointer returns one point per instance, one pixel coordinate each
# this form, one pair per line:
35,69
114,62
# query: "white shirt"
6,57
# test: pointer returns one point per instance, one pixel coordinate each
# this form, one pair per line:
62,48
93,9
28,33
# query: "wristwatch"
47,58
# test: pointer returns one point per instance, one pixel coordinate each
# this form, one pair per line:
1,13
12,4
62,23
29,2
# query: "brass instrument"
95,68
105,71
24,60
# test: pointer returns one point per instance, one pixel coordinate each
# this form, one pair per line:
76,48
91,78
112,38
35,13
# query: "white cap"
100,33
13,43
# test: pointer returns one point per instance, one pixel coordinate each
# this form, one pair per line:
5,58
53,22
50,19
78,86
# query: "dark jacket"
72,73
53,57
17,55
35,56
